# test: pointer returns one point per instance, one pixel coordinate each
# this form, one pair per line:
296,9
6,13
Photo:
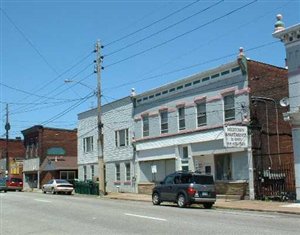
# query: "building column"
291,39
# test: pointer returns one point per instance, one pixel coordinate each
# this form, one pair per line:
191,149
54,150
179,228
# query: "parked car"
14,183
58,186
186,188
3,186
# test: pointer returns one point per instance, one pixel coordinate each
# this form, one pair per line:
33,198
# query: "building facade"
225,122
50,153
184,126
291,39
117,148
16,154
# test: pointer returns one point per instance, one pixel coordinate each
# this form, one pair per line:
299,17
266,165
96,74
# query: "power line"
193,50
24,110
67,110
28,40
181,35
56,88
189,67
28,93
153,23
164,29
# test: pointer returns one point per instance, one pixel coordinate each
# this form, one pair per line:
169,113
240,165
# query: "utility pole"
98,61
7,128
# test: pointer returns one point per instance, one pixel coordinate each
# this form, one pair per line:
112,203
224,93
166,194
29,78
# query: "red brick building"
16,154
50,153
271,136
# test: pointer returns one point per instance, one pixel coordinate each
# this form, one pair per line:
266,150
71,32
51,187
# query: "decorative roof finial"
279,25
241,52
133,93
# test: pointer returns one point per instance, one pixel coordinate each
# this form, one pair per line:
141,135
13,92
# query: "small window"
229,108
127,171
139,100
118,175
145,98
157,94
179,87
205,79
164,121
188,84
151,96
145,125
172,89
196,82
121,138
215,75
165,92
235,69
181,118
88,144
185,152
201,114
225,72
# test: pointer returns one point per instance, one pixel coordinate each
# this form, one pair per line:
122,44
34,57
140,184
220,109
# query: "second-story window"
181,118
164,121
145,125
121,138
88,145
229,109
201,114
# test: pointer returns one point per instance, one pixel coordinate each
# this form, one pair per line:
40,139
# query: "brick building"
50,153
16,154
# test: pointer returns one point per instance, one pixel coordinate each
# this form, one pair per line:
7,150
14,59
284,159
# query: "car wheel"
208,205
69,193
53,191
155,199
181,201
44,191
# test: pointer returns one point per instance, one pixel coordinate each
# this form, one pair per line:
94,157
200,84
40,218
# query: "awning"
181,140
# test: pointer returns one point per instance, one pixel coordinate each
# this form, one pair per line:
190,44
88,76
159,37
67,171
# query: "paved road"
36,213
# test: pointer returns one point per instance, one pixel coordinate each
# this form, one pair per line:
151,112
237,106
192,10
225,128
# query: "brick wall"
269,82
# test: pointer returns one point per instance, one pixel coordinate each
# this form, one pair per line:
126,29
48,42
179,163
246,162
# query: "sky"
146,44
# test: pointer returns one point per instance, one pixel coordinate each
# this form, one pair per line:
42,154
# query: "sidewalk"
255,205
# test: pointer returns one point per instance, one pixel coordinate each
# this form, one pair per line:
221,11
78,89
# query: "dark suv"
185,188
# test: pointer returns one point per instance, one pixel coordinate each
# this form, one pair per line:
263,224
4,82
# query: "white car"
58,185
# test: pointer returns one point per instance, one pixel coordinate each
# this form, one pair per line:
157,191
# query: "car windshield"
62,182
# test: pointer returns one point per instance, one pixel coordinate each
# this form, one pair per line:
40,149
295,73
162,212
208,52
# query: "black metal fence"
275,183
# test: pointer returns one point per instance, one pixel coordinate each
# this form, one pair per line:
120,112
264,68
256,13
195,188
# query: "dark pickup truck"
186,188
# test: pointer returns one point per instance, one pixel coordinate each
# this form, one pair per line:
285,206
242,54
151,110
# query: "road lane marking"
41,200
146,217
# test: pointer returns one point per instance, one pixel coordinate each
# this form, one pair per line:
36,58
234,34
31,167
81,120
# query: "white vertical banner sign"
235,136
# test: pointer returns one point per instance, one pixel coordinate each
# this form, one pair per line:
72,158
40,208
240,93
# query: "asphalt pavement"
250,205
